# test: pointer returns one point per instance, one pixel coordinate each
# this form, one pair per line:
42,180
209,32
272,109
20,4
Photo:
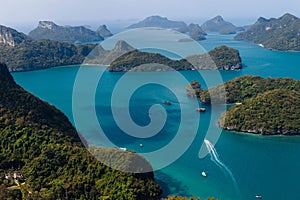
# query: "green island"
276,34
136,58
268,106
270,113
21,53
220,58
42,156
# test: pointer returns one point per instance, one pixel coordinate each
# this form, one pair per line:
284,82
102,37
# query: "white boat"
204,174
258,196
261,45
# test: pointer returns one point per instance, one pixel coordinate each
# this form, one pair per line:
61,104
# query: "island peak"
103,31
122,45
157,21
47,25
218,24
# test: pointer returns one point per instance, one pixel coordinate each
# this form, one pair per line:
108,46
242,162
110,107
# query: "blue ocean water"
268,166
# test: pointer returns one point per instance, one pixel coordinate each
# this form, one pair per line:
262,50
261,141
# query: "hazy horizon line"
28,25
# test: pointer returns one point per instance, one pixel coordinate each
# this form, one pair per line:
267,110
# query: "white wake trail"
215,158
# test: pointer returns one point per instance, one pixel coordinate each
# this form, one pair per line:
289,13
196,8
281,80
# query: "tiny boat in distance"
258,196
167,103
200,109
204,174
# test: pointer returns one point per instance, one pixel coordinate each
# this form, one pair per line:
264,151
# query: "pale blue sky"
15,12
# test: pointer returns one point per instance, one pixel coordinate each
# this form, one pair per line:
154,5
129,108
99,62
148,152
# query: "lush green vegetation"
219,58
135,58
272,112
242,88
42,54
223,58
263,106
226,58
51,31
38,140
279,34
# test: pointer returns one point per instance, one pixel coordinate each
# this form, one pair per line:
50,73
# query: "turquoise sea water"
269,166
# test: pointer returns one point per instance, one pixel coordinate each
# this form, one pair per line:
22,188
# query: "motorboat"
200,109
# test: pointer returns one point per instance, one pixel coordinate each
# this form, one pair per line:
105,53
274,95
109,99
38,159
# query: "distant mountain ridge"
281,34
50,30
193,30
157,21
218,24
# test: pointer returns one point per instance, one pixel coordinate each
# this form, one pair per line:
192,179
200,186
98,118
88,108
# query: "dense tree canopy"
272,112
263,106
39,141
42,54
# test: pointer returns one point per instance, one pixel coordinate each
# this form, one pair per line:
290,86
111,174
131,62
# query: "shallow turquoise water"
260,165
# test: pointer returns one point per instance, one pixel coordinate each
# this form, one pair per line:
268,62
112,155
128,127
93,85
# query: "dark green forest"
38,141
272,112
42,54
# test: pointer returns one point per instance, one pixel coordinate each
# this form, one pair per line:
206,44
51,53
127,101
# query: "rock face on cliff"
50,30
218,24
12,37
158,21
281,34
103,31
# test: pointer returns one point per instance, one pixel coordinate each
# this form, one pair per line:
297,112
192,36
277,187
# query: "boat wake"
215,158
